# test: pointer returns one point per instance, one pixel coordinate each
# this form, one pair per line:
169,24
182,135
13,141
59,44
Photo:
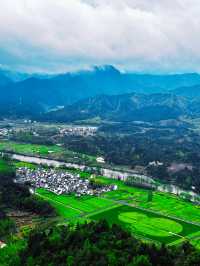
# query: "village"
78,131
60,182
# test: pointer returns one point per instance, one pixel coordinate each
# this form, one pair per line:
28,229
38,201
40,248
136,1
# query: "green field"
18,164
31,149
149,225
162,203
5,167
167,218
68,206
143,223
50,151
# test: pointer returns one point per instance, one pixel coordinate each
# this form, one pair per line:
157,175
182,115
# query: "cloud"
139,35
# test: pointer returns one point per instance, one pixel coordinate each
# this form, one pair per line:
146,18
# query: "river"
105,172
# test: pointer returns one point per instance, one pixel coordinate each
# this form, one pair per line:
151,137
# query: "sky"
151,36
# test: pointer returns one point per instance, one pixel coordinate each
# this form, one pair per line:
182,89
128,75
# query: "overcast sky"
136,35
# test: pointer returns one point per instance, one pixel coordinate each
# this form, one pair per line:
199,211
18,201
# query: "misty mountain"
41,93
4,80
192,92
124,108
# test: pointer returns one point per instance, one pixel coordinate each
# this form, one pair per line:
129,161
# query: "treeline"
17,196
180,146
96,243
7,225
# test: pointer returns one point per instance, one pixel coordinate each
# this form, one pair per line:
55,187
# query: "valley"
174,220
127,160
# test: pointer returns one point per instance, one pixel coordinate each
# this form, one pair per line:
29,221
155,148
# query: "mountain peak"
107,68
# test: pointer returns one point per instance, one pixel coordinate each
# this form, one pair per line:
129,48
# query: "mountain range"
102,90
124,108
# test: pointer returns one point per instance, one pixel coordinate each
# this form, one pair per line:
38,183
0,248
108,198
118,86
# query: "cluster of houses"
78,131
60,182
4,132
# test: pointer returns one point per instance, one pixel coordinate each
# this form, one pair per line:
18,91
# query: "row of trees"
98,244
7,225
17,196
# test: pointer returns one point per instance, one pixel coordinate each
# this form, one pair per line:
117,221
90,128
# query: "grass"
50,151
163,203
25,164
148,225
143,223
113,207
172,205
61,207
31,149
78,206
4,167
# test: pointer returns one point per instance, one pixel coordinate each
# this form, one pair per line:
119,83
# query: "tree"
141,261
150,196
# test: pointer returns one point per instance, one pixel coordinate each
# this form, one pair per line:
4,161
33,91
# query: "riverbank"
114,174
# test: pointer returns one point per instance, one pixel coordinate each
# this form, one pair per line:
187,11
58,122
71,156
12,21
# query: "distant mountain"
4,80
42,93
147,83
192,92
124,108
14,76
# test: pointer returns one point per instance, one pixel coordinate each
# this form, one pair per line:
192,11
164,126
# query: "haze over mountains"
25,96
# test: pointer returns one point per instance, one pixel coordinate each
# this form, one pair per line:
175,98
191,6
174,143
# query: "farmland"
163,203
155,221
48,151
3,166
165,218
68,206
149,225
30,149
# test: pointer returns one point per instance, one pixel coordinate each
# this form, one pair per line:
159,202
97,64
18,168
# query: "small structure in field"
2,244
100,160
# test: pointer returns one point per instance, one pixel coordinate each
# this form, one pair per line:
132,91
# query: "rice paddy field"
165,219
142,222
149,225
69,206
163,203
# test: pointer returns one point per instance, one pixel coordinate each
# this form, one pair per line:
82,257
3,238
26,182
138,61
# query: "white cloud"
143,35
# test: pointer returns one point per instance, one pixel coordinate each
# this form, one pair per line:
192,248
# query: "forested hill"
99,244
41,93
124,108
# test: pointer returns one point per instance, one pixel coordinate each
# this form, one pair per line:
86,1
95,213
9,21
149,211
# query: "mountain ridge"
40,94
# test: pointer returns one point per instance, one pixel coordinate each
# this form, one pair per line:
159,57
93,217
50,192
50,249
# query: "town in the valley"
60,182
